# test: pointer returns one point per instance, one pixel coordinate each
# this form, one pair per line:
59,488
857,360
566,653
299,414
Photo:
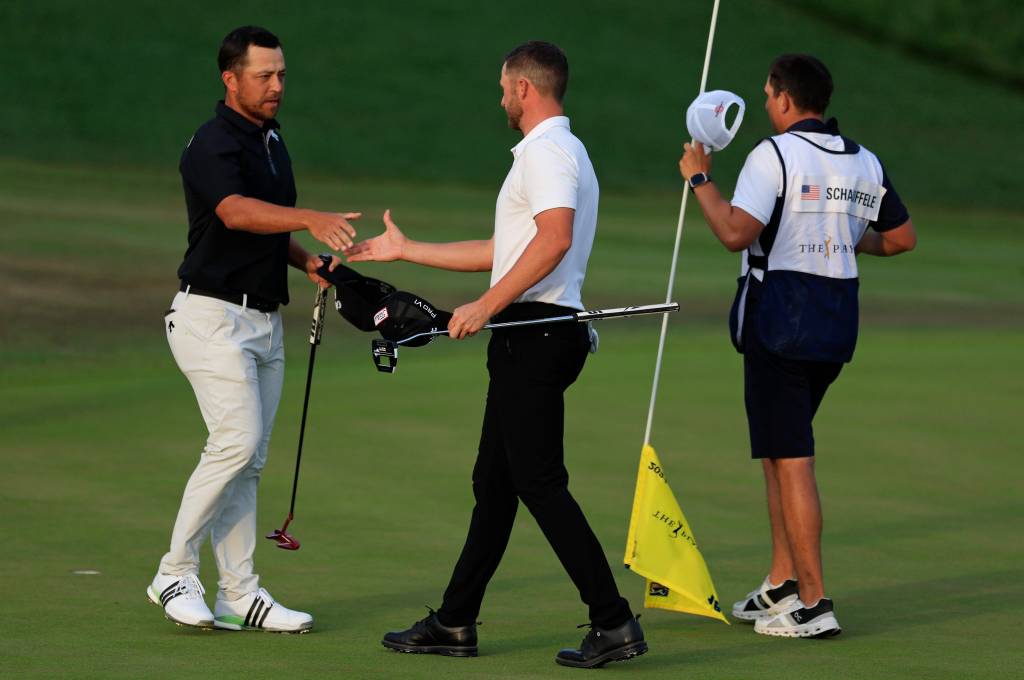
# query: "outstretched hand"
332,229
387,247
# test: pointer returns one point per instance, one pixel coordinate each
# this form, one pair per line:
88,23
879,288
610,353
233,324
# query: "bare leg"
801,513
782,560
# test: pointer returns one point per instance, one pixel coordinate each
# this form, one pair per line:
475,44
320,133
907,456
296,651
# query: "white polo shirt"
550,169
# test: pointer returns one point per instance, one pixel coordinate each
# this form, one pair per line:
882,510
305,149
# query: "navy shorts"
782,395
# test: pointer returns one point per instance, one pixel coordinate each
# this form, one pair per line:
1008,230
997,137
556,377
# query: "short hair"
234,49
543,64
805,78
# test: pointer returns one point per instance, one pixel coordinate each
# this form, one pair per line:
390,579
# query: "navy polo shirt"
231,155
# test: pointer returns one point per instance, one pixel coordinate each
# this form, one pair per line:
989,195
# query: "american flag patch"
810,192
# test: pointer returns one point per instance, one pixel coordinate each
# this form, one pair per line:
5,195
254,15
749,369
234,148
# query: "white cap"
705,119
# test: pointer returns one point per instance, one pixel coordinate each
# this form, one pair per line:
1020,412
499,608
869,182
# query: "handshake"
336,232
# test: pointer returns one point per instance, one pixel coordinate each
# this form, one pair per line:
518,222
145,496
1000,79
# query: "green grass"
975,37
409,90
395,105
919,466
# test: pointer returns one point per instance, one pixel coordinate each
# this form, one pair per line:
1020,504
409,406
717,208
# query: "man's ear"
522,87
785,102
230,80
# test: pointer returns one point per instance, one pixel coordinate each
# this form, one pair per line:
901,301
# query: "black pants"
520,457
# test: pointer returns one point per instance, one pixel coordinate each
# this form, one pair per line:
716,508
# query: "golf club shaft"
315,332
580,317
593,315
302,429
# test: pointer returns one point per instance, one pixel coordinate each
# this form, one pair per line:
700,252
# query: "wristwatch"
697,179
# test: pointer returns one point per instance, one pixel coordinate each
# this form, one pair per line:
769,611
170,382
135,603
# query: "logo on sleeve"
379,317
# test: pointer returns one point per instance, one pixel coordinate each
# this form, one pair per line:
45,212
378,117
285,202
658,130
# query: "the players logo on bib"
833,194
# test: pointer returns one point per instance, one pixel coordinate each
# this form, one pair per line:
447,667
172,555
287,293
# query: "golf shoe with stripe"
182,599
799,620
259,611
766,602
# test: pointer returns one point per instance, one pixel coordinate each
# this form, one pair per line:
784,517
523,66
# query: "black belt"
250,302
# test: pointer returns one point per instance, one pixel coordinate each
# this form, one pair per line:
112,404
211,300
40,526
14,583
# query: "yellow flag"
661,548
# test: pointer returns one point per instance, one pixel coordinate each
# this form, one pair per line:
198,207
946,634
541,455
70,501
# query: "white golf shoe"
259,611
799,620
766,602
182,599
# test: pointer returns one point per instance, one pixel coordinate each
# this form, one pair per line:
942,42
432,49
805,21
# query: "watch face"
698,179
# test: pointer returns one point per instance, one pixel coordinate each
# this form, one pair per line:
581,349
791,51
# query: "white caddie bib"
804,263
832,194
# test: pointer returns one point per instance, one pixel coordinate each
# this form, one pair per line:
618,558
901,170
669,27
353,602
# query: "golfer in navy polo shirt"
807,201
224,329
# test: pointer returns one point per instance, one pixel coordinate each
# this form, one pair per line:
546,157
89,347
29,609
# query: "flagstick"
675,250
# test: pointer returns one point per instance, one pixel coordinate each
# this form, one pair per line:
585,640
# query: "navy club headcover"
356,297
373,305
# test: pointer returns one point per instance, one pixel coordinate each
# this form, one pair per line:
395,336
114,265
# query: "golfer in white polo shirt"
544,225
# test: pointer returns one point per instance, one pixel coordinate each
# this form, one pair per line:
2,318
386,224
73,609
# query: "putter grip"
316,330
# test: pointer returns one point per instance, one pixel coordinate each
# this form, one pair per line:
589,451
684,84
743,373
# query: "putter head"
385,355
285,541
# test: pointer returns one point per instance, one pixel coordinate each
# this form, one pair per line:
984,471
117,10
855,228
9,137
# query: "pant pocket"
202,321
551,355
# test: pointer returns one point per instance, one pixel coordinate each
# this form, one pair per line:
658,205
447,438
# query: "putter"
286,541
385,352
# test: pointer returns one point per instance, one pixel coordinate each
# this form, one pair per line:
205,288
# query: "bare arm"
542,255
261,217
890,242
459,256
734,227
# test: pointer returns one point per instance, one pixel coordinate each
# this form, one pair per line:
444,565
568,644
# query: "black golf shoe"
602,645
428,636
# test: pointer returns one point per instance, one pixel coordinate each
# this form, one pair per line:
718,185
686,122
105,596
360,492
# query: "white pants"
234,358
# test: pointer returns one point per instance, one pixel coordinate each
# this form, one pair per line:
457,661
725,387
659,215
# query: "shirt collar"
243,123
828,127
538,130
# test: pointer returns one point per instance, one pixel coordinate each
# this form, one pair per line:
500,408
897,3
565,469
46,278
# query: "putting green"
918,462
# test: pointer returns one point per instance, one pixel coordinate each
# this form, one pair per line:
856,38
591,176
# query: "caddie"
808,201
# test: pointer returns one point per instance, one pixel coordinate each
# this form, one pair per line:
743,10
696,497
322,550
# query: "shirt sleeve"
891,213
550,177
759,183
212,168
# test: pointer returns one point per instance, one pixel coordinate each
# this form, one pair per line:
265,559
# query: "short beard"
256,112
514,116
